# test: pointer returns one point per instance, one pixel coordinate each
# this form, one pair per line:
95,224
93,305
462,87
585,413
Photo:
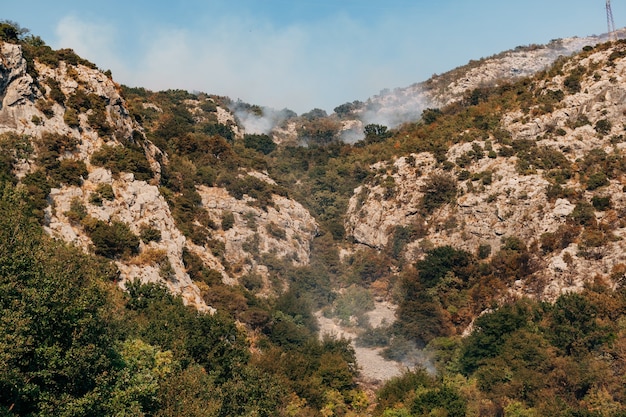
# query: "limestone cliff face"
284,230
28,108
16,86
497,199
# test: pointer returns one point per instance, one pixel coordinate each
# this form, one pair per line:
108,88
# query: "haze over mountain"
299,54
182,253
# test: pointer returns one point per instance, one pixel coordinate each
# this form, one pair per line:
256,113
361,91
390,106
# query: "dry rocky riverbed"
374,368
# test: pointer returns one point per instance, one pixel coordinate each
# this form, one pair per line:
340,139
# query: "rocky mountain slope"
393,107
37,104
523,178
480,245
505,192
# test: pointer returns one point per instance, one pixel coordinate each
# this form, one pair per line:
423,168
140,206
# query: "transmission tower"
609,21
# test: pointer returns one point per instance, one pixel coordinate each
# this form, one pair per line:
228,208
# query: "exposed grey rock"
138,203
513,204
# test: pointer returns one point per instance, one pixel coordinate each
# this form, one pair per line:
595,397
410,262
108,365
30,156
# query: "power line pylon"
609,21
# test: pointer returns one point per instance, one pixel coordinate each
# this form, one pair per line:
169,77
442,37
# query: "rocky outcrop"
513,202
137,204
17,89
392,108
283,230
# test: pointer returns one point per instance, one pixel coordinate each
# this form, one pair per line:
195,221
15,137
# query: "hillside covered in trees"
158,259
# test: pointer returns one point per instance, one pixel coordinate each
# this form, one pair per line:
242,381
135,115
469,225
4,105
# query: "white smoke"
259,120
393,108
389,108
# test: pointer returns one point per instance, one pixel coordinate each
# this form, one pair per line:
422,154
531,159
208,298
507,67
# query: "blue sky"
298,54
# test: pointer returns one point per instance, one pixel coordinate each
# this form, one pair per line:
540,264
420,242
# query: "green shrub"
103,192
403,235
463,175
9,33
367,266
374,337
50,148
228,220
555,191
198,271
218,129
77,211
260,143
251,220
276,231
206,175
38,187
46,55
441,260
98,117
252,282
443,401
123,159
70,117
512,261
492,330
45,106
601,203
439,189
581,120
429,116
318,131
238,186
597,180
106,191
572,81
583,214
592,237
347,109
506,151
148,233
532,157
603,126
560,239
79,101
13,148
208,106
111,240
56,93
69,172
389,186
484,250
355,301
374,134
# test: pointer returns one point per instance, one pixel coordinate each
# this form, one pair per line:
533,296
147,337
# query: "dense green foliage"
261,143
73,345
123,159
526,358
